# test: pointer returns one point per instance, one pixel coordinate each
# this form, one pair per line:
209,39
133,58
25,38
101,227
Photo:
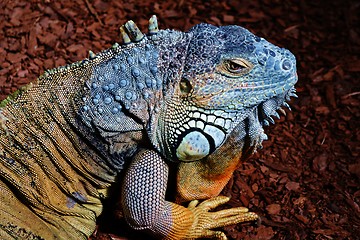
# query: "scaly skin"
198,99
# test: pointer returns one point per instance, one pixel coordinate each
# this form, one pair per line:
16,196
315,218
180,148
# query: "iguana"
168,102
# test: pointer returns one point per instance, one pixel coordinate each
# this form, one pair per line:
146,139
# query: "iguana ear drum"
194,145
185,86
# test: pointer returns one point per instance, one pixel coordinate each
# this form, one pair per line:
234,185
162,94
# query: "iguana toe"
205,220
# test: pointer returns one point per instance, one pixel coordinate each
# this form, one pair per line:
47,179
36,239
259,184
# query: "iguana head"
229,76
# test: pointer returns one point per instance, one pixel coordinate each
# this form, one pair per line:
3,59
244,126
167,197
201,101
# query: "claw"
276,115
287,106
220,235
153,25
282,111
293,95
133,31
264,136
271,120
266,122
193,203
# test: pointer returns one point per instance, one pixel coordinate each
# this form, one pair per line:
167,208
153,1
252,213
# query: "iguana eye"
235,67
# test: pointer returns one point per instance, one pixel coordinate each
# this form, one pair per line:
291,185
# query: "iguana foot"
205,220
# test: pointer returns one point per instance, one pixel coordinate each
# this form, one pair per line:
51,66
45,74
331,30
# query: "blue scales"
121,84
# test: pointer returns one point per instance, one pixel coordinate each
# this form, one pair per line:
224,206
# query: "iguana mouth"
268,109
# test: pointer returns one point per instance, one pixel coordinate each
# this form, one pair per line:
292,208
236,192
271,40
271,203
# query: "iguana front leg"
145,207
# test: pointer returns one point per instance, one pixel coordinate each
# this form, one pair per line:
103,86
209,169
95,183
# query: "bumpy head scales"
231,68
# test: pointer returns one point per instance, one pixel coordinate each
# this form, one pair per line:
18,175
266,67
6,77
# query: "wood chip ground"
305,183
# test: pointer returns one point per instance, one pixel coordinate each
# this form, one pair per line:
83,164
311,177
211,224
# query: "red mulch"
305,182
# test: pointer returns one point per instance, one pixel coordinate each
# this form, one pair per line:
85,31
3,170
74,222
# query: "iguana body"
198,99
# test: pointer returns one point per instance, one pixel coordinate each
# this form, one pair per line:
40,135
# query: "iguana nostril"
286,64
